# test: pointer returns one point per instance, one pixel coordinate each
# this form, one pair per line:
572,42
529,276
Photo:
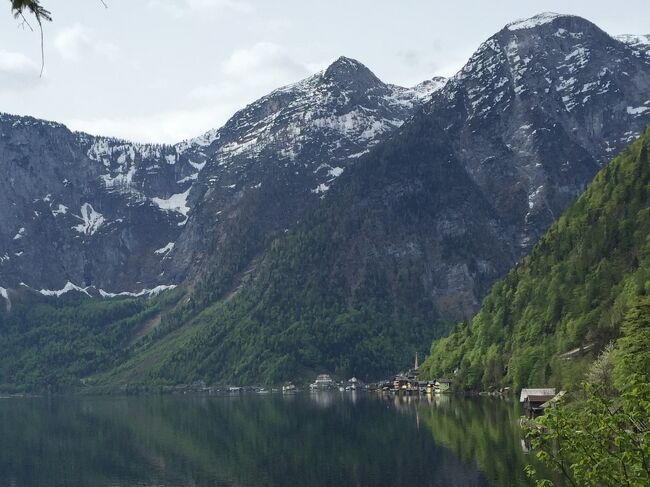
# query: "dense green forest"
55,342
598,434
572,291
288,325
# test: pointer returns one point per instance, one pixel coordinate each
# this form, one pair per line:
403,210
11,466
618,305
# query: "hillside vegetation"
55,342
572,291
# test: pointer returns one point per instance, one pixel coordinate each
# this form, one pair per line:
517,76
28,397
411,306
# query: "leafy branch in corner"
41,14
33,7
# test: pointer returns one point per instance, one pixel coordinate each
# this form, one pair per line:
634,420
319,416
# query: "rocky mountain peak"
535,82
351,74
543,18
565,57
426,88
551,23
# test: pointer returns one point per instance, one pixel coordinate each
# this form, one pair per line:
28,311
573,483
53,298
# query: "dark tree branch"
34,7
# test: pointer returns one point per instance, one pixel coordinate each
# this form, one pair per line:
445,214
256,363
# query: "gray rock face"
119,216
82,209
538,109
462,191
277,158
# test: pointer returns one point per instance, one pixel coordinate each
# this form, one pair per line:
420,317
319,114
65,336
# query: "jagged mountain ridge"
549,100
107,213
441,208
579,96
414,234
273,160
538,109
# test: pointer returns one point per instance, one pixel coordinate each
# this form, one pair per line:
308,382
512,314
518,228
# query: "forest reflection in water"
325,439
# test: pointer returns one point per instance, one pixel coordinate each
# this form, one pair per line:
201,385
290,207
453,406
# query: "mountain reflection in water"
323,439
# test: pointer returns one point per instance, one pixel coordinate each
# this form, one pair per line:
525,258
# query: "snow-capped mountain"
97,211
275,159
413,234
84,209
354,213
463,190
538,109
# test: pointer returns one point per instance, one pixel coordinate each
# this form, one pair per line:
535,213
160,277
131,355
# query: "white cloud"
246,75
236,5
17,71
75,42
179,8
166,127
264,63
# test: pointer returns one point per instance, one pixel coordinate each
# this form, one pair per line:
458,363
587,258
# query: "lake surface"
326,439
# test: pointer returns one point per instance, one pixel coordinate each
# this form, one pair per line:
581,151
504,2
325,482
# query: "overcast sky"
166,70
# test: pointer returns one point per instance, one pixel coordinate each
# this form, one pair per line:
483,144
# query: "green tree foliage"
55,342
286,326
572,291
601,442
603,438
632,353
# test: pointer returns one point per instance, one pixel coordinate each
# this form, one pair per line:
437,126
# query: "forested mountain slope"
413,236
340,224
572,291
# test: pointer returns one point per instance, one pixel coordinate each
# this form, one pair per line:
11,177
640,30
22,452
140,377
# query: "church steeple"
417,365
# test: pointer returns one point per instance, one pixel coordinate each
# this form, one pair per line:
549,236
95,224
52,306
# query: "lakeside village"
534,401
404,383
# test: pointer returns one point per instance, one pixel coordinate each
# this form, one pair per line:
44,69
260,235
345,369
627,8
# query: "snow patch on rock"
637,110
5,295
534,21
60,210
176,202
91,220
335,172
321,188
165,250
66,289
145,292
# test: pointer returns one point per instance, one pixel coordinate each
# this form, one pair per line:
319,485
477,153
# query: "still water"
307,440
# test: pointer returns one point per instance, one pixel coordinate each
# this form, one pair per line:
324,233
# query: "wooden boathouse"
533,399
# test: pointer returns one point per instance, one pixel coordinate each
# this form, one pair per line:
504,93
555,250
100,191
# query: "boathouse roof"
525,393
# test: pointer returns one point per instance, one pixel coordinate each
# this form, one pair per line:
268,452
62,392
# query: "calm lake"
325,439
